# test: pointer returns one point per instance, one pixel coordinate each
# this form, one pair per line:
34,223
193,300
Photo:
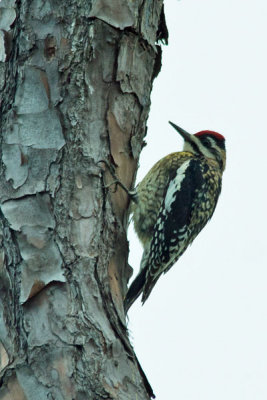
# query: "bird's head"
208,144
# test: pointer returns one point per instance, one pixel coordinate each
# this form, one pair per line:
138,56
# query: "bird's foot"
131,193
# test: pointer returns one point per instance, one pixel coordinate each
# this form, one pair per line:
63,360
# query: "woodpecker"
173,203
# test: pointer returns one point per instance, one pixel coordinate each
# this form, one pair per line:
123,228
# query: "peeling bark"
75,81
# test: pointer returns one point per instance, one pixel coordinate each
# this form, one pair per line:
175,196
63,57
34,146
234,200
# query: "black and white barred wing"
172,231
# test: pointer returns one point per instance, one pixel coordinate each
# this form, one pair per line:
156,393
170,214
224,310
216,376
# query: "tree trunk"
75,82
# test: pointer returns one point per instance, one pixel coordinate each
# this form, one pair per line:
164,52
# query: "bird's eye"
206,142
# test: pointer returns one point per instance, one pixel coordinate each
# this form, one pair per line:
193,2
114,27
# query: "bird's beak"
185,135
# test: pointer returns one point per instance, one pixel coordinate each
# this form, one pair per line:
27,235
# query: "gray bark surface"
75,81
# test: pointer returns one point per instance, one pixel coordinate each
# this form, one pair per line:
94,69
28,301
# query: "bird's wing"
172,230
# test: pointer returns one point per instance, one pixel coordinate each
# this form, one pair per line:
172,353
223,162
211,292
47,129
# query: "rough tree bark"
75,80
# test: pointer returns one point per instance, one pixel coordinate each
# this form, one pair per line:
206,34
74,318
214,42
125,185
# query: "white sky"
202,334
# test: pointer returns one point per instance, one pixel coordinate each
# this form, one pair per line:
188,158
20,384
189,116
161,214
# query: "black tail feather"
148,286
135,290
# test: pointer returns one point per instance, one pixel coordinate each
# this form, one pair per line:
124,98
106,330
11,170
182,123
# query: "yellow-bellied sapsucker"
174,202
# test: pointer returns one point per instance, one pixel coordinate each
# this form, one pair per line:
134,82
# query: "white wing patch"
175,185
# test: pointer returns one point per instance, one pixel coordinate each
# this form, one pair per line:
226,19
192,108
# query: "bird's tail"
135,290
148,286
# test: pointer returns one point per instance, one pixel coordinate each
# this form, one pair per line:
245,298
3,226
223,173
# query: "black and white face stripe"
207,146
210,144
211,141
214,146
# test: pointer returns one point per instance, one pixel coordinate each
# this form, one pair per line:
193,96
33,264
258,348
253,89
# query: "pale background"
202,335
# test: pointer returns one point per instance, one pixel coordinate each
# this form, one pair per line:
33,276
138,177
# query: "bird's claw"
131,193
